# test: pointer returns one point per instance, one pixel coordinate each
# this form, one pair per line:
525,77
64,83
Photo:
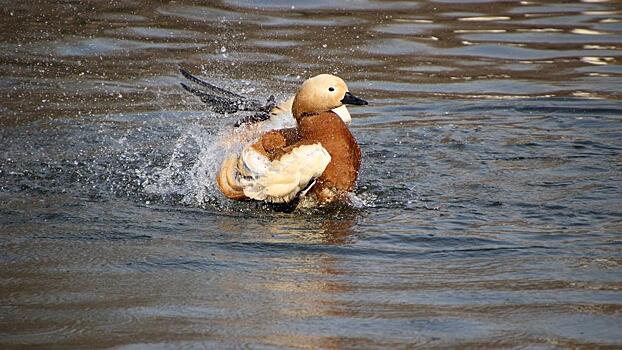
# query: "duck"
304,151
267,116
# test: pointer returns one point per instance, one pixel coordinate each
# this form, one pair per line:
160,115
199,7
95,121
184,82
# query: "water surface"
488,211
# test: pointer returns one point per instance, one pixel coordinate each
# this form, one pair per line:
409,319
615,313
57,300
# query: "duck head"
322,93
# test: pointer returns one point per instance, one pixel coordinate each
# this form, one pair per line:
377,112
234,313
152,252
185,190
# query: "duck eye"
331,89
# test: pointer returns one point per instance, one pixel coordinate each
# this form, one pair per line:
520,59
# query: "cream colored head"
322,93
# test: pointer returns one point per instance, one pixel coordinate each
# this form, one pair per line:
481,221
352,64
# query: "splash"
362,200
191,170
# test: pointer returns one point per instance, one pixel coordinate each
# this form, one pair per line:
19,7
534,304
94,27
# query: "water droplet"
223,49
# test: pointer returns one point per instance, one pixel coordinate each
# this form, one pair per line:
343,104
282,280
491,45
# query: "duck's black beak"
350,99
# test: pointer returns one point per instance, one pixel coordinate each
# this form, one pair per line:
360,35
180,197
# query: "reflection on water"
487,211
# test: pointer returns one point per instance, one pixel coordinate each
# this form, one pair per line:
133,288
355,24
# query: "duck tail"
226,179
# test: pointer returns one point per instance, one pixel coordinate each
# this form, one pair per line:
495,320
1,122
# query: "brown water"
489,210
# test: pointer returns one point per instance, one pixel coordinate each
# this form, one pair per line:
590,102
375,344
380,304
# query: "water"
488,208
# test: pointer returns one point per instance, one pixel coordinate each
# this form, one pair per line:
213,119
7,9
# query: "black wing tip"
211,87
186,87
192,78
221,100
193,90
186,74
251,119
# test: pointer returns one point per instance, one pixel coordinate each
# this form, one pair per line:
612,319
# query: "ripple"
570,326
540,37
245,57
404,47
324,5
596,60
418,330
557,21
513,88
407,28
556,8
208,14
484,19
158,33
120,17
109,46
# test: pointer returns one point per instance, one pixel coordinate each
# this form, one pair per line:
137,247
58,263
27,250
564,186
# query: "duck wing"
253,175
281,180
224,101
